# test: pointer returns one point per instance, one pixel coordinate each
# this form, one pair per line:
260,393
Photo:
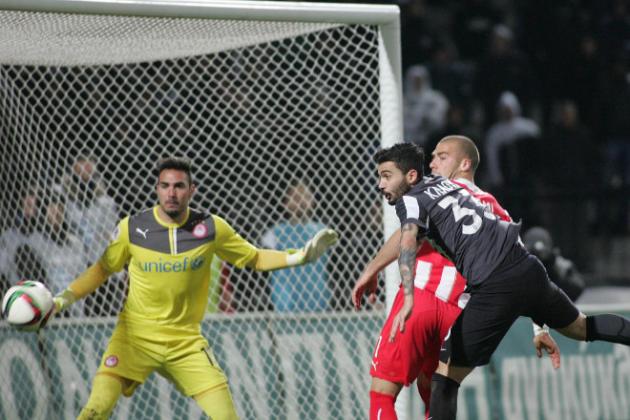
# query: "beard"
401,190
173,214
173,209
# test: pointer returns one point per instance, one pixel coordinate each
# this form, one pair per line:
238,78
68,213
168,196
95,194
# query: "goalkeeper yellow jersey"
169,265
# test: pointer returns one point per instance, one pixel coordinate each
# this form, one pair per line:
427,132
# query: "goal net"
280,107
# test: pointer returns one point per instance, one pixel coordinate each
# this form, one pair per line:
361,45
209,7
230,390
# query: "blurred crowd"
544,90
58,231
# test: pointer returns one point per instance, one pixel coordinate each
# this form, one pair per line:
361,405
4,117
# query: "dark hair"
406,156
176,163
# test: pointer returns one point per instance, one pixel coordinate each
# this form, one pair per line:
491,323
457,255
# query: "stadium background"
563,50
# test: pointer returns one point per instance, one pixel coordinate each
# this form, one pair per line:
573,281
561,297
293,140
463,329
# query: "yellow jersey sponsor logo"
160,266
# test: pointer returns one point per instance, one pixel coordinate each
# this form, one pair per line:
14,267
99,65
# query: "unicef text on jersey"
160,266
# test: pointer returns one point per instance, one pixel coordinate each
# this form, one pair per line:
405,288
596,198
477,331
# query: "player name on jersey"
440,189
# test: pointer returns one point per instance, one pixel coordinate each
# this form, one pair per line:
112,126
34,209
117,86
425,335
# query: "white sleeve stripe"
447,282
423,273
411,207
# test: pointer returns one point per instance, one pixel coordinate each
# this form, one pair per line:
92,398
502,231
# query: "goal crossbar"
360,14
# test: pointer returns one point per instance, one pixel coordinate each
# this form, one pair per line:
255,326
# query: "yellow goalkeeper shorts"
187,361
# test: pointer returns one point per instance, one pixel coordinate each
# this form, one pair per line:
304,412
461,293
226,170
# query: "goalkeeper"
168,250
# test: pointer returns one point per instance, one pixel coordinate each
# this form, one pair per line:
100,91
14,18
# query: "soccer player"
168,250
504,280
437,293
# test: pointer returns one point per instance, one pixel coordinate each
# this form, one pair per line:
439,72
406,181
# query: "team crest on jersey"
111,361
200,231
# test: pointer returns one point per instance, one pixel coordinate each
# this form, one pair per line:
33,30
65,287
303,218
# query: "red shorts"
416,349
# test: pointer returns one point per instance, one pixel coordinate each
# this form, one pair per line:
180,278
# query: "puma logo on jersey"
143,233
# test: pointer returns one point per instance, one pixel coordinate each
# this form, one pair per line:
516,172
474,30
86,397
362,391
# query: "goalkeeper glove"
63,300
313,249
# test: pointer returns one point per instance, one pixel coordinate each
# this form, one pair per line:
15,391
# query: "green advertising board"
593,381
279,367
310,367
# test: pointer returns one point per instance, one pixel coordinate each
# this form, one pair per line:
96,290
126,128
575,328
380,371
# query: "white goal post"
260,95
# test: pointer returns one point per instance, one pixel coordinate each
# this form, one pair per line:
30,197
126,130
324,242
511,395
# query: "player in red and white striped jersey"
399,359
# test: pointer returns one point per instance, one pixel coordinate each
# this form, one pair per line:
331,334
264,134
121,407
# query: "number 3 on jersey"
461,212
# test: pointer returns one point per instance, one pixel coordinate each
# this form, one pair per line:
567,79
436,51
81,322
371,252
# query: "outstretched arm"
86,283
406,263
269,259
368,280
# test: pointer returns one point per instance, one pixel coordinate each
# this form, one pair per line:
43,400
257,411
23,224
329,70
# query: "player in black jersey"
504,280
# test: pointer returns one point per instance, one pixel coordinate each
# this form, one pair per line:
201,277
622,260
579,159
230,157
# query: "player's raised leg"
602,327
560,313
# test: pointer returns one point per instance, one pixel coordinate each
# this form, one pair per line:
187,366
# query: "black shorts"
518,287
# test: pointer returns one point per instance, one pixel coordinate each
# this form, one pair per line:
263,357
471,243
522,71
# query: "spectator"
508,130
91,213
425,108
25,224
60,251
473,22
305,288
453,77
504,68
561,271
29,265
569,145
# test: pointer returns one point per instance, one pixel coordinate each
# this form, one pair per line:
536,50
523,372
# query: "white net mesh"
71,40
264,109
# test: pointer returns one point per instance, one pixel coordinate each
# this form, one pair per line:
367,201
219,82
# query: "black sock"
443,405
608,327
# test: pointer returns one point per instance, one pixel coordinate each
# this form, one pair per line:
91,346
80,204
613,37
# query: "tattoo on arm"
407,258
